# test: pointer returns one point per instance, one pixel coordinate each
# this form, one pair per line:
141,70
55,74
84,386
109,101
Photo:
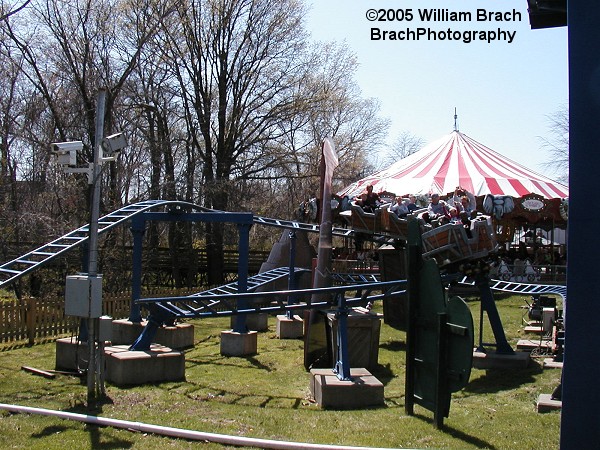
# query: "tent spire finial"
455,120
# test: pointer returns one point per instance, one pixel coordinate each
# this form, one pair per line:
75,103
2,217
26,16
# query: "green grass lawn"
267,396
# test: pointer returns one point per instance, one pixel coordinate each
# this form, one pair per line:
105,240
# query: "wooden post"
441,389
31,313
413,300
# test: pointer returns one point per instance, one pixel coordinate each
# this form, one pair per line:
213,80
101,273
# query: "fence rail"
39,319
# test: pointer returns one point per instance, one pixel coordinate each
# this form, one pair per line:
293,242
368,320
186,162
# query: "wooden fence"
40,319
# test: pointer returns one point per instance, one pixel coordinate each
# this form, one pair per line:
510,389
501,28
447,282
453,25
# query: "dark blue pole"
581,370
244,249
291,277
138,227
489,306
144,340
342,365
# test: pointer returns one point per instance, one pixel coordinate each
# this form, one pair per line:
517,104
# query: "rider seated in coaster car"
466,222
464,201
400,208
369,201
438,211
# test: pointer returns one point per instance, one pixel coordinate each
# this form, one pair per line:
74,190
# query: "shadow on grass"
257,364
383,373
15,345
206,393
103,441
221,361
457,434
49,431
394,346
496,380
97,440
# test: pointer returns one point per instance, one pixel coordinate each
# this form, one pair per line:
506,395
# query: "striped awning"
457,160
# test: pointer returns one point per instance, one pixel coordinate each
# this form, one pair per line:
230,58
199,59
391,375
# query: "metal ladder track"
219,304
525,288
29,262
355,278
495,285
309,227
37,258
204,302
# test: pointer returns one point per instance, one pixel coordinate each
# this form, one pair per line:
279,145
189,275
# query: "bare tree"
66,52
237,62
557,144
405,145
333,107
224,103
7,10
70,50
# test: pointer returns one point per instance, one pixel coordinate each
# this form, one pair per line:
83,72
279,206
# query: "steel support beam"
581,371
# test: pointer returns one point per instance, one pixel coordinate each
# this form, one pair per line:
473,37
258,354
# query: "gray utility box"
83,296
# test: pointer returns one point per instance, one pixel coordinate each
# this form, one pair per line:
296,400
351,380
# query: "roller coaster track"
211,301
223,300
219,302
495,285
309,227
11,271
354,278
523,288
35,259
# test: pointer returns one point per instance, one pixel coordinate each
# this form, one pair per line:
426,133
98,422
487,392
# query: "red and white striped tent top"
457,160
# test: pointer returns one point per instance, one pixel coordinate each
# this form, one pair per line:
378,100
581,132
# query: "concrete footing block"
546,404
287,328
125,332
180,335
364,390
159,364
493,360
536,329
238,344
550,363
71,354
254,322
528,345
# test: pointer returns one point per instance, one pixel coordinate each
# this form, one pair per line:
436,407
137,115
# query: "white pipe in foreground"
175,432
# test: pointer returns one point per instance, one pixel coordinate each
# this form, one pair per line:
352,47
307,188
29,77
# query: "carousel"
519,213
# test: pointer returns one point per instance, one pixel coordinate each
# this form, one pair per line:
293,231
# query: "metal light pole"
95,385
83,293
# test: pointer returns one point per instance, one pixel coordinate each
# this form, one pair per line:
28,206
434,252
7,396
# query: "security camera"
64,147
113,144
66,152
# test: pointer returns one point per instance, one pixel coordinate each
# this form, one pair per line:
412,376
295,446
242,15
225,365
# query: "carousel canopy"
457,160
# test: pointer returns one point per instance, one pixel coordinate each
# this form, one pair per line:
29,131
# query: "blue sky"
503,92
